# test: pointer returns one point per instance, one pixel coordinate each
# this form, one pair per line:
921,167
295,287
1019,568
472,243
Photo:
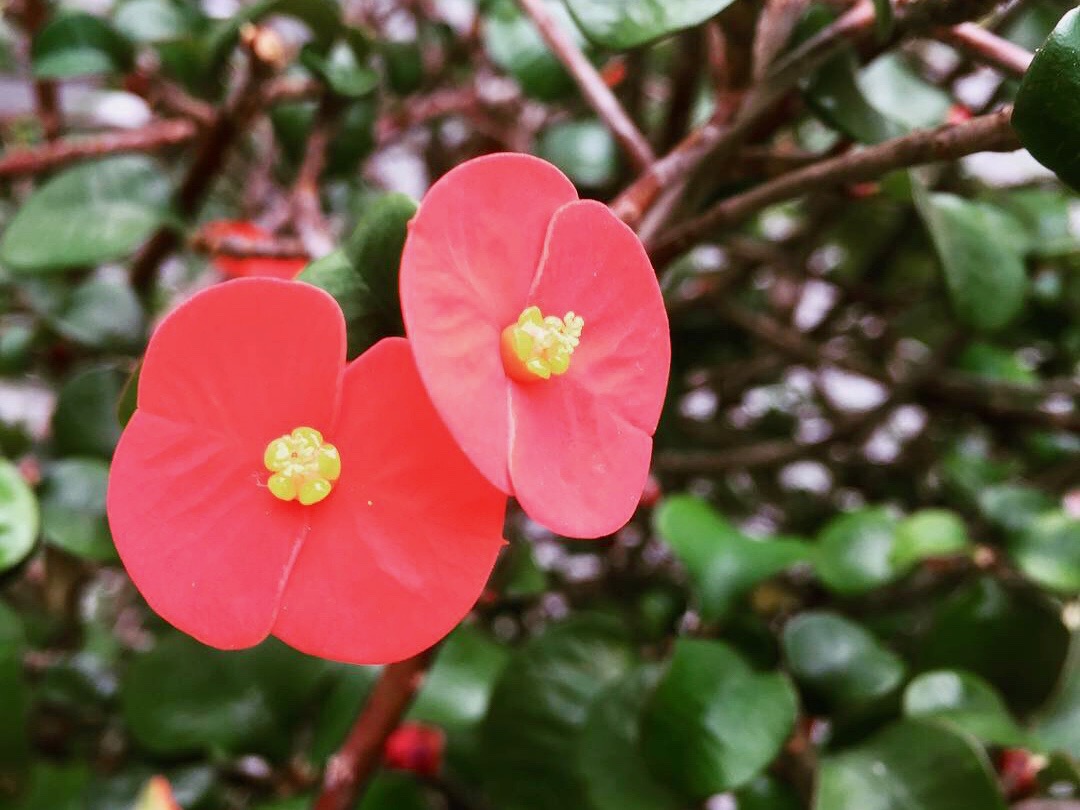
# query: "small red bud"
958,114
613,72
1018,771
417,748
651,494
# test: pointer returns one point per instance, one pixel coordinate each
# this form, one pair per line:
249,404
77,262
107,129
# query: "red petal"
203,541
249,359
401,549
470,258
578,467
595,265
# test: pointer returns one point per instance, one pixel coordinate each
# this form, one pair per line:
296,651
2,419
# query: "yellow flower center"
536,347
304,467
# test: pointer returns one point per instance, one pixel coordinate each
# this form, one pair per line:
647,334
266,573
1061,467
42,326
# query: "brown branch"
306,208
982,134
266,55
988,47
291,88
38,159
853,27
596,92
278,247
350,769
35,15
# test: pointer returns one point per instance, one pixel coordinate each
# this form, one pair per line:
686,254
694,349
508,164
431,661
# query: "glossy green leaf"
538,709
1012,637
1058,723
100,313
155,20
18,516
76,43
84,422
624,24
1048,552
616,774
911,764
992,363
723,563
89,214
834,95
55,787
374,248
342,71
182,697
514,44
855,551
839,661
713,723
967,702
984,273
584,150
73,508
902,95
15,707
338,709
337,275
458,688
1047,111
926,534
1013,506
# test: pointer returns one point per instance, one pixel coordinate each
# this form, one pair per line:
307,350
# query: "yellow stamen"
304,466
535,348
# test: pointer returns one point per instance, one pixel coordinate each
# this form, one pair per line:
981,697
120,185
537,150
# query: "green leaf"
992,363
458,689
18,516
155,20
75,43
1058,724
723,563
624,24
89,214
1048,552
967,702
1013,506
926,534
616,774
73,508
182,697
839,661
836,97
84,422
883,18
56,787
338,710
713,723
15,707
538,709
911,764
902,95
514,45
584,150
101,313
855,552
984,273
374,248
1013,638
342,70
337,275
1046,115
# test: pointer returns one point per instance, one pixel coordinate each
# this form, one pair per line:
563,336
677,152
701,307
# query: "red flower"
416,748
540,333
245,400
240,266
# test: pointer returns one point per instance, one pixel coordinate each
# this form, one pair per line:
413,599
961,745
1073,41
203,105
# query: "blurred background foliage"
852,583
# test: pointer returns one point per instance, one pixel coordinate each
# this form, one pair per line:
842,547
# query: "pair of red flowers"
356,511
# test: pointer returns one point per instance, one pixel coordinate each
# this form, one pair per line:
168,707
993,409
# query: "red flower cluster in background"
355,511
247,266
